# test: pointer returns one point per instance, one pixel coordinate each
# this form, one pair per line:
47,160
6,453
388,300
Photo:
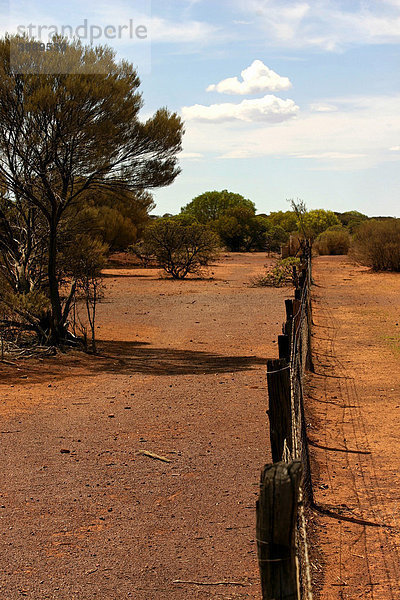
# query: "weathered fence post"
289,309
296,319
309,359
284,346
280,418
276,530
288,325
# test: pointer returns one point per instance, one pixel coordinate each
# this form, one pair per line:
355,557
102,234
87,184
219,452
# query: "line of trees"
186,243
236,227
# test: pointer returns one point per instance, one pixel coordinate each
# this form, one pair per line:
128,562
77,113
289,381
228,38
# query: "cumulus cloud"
270,109
256,79
323,107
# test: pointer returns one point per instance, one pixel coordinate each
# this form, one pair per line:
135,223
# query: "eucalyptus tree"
70,123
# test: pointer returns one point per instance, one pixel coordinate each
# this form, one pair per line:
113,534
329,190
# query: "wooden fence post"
289,309
296,319
309,358
280,418
284,347
276,529
288,325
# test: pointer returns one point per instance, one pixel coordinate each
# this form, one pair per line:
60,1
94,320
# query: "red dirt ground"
180,372
354,410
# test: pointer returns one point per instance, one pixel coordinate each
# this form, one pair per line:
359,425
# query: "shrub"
240,230
377,245
180,245
287,220
314,222
351,219
210,206
280,275
333,241
275,236
142,252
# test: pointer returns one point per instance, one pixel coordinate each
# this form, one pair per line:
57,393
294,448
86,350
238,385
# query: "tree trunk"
57,327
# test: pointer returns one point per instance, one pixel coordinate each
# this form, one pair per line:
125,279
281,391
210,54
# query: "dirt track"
181,373
354,414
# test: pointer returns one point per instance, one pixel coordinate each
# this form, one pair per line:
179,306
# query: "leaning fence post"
276,530
280,418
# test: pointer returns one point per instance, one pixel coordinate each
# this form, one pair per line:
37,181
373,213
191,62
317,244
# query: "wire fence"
300,363
288,435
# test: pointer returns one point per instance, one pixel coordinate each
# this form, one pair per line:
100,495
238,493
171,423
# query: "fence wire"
300,362
288,428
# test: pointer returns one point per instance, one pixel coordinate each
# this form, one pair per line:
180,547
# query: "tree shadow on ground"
134,275
133,357
123,357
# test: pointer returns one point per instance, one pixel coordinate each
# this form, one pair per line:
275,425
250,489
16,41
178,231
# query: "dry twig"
154,456
211,582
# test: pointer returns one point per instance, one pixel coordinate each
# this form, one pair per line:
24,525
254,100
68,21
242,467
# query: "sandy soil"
181,372
354,419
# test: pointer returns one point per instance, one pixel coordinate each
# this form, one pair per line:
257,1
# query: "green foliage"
85,258
142,252
314,222
180,245
285,219
240,230
210,206
334,240
377,244
351,219
25,308
118,219
275,237
280,275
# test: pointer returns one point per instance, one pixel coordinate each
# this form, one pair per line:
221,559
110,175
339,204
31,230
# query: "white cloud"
327,24
163,31
100,14
270,109
361,134
257,78
330,155
323,107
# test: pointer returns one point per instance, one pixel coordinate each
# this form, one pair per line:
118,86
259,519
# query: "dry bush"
333,242
377,245
280,275
180,245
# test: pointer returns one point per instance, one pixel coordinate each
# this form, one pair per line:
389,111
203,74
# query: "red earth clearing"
181,373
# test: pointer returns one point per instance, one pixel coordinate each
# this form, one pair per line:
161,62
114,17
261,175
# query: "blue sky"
303,96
